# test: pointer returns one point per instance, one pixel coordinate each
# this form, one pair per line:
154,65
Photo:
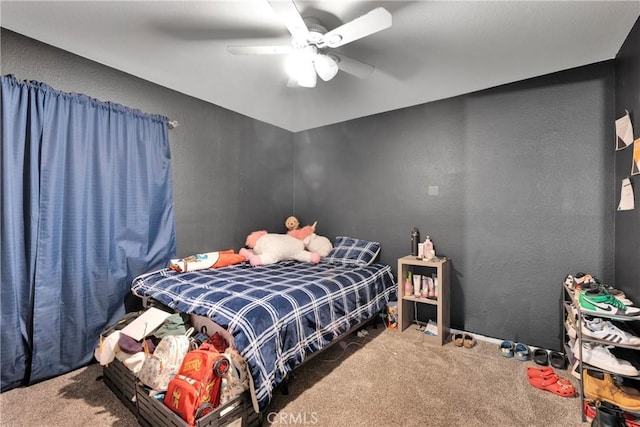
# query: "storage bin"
238,412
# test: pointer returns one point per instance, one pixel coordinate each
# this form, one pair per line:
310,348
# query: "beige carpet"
386,379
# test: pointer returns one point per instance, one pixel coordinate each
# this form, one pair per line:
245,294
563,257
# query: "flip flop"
541,356
539,372
458,339
558,360
555,385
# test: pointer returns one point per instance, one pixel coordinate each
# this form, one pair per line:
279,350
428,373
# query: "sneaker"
570,282
607,331
608,289
600,357
613,291
631,420
605,304
589,410
583,280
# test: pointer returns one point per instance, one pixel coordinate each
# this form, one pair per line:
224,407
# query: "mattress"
278,314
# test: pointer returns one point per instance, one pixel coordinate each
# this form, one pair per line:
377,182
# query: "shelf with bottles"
421,285
438,271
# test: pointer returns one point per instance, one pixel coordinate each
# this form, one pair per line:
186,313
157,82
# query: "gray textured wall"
524,174
231,174
627,90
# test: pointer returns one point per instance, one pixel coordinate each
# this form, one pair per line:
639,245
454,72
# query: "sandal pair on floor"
465,340
547,379
518,350
555,358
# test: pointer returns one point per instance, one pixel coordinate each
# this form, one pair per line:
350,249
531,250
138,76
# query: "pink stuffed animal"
304,232
269,248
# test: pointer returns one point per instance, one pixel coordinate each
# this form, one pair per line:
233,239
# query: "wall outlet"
433,190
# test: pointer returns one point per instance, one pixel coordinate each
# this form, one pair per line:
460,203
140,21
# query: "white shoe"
571,330
600,357
607,331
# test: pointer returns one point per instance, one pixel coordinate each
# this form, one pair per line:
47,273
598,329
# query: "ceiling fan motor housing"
314,36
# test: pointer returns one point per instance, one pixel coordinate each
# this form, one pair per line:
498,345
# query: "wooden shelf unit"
406,310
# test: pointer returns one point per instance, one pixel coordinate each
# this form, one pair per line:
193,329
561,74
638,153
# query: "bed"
281,314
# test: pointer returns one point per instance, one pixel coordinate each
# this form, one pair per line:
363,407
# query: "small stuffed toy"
292,223
318,244
269,248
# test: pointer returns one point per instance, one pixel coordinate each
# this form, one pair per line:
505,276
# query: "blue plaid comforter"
278,314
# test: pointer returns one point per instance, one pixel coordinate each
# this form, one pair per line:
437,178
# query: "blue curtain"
87,205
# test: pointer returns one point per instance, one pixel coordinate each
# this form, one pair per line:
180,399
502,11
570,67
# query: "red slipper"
550,379
555,385
539,372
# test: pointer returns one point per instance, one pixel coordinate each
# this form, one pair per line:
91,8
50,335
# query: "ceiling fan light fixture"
307,75
311,44
325,66
300,66
294,62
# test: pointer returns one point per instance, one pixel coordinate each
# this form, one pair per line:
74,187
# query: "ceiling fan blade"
376,20
259,50
352,66
291,17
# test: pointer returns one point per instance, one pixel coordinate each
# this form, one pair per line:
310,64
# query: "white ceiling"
433,50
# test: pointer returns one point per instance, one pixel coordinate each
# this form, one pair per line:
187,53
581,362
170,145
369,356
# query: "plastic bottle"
408,286
425,287
431,291
415,238
429,252
428,245
435,286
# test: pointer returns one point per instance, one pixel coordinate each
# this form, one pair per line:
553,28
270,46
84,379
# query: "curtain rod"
171,123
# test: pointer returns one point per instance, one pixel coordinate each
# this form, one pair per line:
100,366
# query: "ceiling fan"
310,52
